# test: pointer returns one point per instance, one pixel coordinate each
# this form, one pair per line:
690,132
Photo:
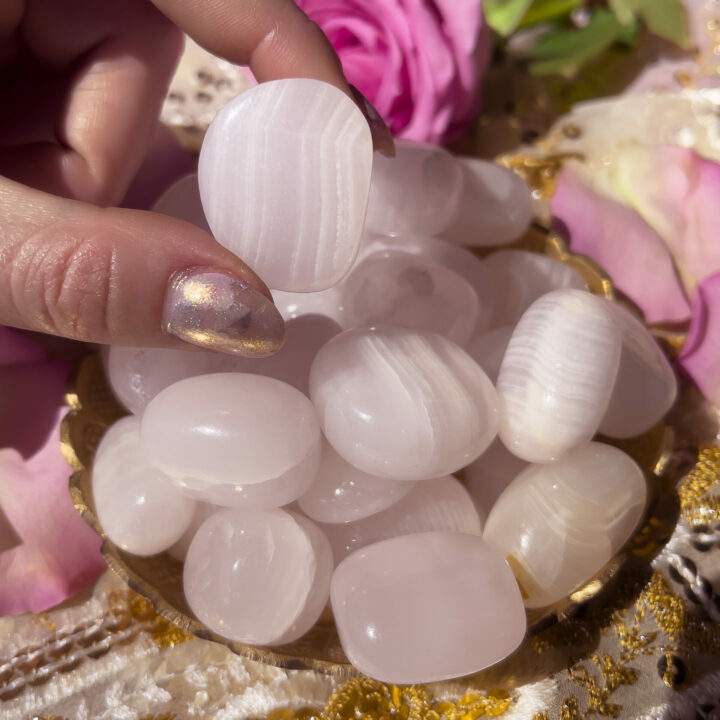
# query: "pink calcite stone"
258,576
342,493
488,349
202,512
403,404
231,429
182,200
400,288
426,607
137,505
438,504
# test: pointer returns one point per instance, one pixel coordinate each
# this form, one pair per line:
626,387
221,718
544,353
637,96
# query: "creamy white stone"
399,288
341,493
402,404
258,576
136,504
203,511
182,200
488,349
437,504
557,375
284,179
562,522
231,429
646,385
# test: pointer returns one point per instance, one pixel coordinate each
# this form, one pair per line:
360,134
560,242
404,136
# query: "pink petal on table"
618,239
701,355
59,554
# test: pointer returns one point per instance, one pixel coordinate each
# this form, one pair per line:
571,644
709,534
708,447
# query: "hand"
81,86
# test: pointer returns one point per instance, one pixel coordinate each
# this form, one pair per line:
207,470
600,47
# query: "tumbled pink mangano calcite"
341,493
284,176
438,504
211,433
258,576
402,404
137,505
426,607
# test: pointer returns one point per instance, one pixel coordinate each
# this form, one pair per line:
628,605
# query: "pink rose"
650,216
47,552
419,62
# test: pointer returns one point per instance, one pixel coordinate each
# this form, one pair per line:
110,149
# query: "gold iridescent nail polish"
218,311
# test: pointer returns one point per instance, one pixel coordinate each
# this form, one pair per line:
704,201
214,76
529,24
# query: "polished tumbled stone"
563,521
182,200
231,429
400,288
341,493
426,607
137,505
437,504
258,576
488,349
402,404
557,375
284,179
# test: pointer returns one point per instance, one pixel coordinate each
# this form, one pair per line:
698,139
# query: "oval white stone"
202,512
520,277
488,349
418,190
342,493
284,179
401,404
646,385
399,288
557,375
258,576
437,504
562,522
136,504
231,429
495,207
427,607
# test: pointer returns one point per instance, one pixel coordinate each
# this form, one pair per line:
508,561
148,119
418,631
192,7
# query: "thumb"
126,277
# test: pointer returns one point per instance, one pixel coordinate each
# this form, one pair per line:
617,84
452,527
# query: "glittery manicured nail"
382,137
218,311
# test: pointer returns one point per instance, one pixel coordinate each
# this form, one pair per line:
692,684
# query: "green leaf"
544,11
504,16
564,50
624,10
667,19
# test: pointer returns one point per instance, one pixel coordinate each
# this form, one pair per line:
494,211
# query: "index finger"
274,37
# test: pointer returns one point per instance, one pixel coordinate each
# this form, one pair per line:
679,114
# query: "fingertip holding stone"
218,311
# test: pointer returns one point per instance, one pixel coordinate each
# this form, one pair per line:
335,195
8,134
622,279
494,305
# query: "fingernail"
381,136
218,311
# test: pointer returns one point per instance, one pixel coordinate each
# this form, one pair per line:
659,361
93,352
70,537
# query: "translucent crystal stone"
399,288
138,374
490,474
426,607
488,349
232,429
202,512
562,522
284,179
557,375
341,493
520,277
182,200
137,506
416,191
402,404
325,303
258,576
495,207
437,504
646,386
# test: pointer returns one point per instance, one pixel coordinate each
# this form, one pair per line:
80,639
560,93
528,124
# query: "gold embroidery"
540,172
694,505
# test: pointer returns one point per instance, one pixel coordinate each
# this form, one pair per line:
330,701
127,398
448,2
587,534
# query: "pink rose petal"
618,239
701,355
